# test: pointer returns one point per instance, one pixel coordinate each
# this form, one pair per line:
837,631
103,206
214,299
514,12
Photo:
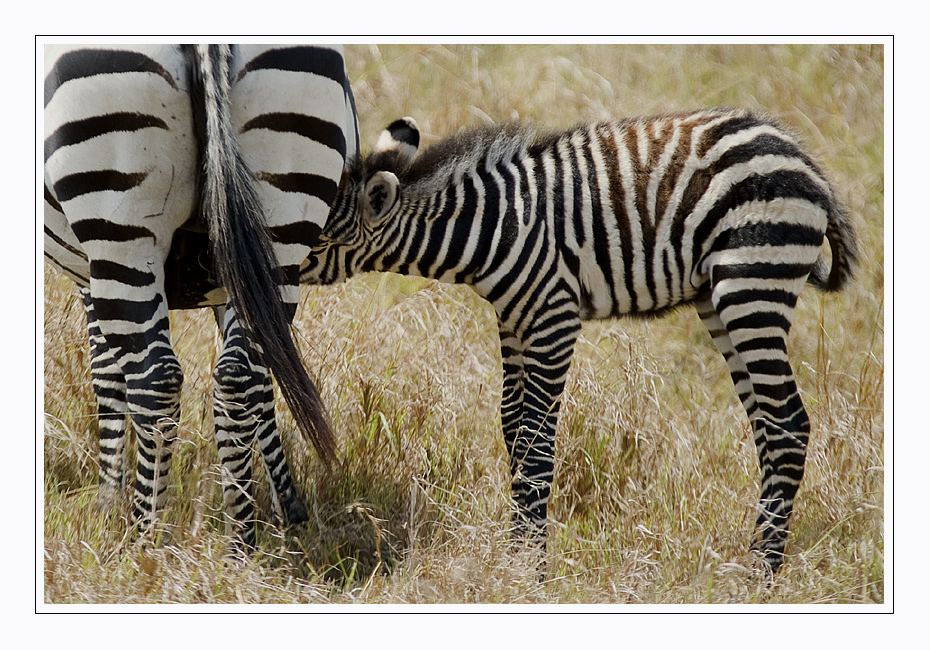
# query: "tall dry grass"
657,477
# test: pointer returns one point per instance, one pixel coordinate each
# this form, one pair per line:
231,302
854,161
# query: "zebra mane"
440,164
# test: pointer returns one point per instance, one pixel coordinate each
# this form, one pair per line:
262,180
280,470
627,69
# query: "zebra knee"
238,387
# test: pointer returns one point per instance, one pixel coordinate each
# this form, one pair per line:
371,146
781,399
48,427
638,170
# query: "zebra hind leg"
283,492
750,328
238,409
286,501
153,389
244,411
110,390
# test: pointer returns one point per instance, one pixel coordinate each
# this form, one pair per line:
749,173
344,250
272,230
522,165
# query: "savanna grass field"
657,477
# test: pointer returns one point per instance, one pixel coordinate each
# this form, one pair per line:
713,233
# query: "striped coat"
721,209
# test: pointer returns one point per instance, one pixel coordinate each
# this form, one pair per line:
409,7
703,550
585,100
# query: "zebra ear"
381,193
402,136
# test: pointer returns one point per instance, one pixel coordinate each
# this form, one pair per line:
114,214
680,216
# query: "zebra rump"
243,255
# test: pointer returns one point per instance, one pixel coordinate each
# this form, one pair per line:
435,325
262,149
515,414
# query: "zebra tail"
243,253
844,248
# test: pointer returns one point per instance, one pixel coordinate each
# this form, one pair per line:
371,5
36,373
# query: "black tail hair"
845,251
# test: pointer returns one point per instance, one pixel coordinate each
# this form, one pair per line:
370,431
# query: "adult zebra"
174,174
720,208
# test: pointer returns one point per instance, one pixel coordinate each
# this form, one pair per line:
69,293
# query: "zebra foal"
191,176
719,208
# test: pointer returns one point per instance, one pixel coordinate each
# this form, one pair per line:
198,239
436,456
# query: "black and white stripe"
173,175
723,209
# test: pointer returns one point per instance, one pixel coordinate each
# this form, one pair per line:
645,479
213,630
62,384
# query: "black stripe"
610,149
312,128
100,229
776,185
763,343
694,190
743,297
439,231
299,232
508,220
577,190
80,130
766,144
315,60
458,237
732,125
759,320
311,184
107,270
133,311
760,270
489,220
89,62
768,234
75,185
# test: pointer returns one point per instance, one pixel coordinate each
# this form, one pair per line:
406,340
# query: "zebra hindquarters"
748,313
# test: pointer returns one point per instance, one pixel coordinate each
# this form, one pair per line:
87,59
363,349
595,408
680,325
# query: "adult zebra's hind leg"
110,390
244,410
283,492
750,328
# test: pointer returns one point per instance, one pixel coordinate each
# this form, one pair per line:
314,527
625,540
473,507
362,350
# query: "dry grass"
657,475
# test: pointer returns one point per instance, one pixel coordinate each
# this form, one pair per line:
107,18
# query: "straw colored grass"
657,476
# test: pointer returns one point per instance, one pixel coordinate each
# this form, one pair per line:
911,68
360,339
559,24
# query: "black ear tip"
405,130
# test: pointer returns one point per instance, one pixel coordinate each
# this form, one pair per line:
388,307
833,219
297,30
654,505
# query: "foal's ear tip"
401,136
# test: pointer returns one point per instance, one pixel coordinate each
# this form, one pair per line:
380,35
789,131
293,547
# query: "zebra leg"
283,493
239,404
153,387
512,396
110,390
750,328
132,319
546,357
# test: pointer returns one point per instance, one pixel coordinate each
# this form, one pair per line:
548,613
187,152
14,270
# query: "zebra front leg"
546,359
512,411
110,391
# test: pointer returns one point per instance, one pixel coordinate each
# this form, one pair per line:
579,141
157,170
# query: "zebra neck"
435,236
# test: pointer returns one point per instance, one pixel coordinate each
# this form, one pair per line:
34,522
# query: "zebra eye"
381,193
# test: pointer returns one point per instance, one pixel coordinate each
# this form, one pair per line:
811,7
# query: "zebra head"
368,194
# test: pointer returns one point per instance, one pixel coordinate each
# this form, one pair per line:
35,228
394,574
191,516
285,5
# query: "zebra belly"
623,293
